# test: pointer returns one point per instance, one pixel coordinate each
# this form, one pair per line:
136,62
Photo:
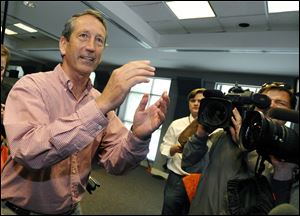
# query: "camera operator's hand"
237,124
283,171
201,131
193,128
177,148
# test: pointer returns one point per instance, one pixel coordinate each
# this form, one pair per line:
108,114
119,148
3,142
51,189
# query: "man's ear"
62,45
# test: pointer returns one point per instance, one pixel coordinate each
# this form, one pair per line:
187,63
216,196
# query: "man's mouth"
88,59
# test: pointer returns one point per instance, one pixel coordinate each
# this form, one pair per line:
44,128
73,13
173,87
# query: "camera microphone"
213,93
284,114
259,100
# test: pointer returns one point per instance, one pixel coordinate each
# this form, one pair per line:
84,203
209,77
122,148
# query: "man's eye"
83,35
282,103
100,41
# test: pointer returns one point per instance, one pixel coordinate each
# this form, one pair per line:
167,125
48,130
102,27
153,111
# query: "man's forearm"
193,151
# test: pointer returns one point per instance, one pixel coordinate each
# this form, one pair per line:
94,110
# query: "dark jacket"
225,161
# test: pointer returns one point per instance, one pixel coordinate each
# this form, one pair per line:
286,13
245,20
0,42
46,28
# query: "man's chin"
88,68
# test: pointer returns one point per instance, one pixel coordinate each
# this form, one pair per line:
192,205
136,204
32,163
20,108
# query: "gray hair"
69,26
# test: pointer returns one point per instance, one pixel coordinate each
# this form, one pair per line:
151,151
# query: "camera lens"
215,112
268,137
252,130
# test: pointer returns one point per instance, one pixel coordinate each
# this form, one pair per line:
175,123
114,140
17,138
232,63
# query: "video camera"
258,132
215,110
268,137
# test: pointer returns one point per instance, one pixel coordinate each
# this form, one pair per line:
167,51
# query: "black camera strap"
260,165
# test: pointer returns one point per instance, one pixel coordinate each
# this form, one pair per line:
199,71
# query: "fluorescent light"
191,9
144,44
25,27
169,50
29,4
255,51
9,32
282,6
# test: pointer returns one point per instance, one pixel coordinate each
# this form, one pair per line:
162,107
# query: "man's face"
194,104
279,99
3,66
82,53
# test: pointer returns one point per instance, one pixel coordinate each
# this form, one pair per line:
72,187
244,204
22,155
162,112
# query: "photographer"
229,164
284,183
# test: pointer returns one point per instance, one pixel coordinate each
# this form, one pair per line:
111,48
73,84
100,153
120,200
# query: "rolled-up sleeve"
122,151
193,152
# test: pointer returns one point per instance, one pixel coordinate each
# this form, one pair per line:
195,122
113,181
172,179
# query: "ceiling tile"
135,3
154,12
284,21
257,23
167,27
237,8
204,25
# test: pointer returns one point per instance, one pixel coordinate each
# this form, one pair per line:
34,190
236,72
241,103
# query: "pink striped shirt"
53,138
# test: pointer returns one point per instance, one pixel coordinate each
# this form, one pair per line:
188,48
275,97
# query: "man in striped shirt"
56,121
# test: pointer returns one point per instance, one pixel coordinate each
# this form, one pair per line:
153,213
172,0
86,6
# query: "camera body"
258,132
215,110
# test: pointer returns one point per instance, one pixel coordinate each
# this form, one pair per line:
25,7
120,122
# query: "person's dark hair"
69,26
280,86
193,93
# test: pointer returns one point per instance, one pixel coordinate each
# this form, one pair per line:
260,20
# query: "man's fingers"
143,102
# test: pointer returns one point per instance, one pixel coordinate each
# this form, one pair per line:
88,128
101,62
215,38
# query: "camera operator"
230,163
283,178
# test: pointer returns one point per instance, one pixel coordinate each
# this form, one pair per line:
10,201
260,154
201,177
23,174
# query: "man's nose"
91,44
273,104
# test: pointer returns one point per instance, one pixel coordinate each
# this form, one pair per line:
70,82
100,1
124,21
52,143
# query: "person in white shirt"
176,201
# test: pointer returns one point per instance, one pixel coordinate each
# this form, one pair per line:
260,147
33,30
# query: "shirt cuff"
138,144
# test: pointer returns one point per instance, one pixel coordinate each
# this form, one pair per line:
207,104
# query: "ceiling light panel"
191,9
9,32
25,27
282,6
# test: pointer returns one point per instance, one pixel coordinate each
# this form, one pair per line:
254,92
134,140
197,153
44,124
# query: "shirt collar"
65,80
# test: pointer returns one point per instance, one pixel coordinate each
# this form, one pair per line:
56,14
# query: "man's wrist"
138,136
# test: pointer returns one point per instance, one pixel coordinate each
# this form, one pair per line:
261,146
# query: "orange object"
190,183
4,155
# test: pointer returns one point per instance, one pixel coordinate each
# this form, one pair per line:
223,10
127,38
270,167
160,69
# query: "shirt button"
73,171
99,127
